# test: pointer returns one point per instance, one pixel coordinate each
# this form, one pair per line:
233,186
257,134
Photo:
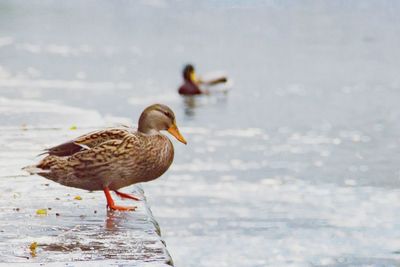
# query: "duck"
191,84
110,159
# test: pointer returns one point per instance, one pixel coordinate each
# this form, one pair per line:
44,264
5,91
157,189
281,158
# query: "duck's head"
159,117
189,73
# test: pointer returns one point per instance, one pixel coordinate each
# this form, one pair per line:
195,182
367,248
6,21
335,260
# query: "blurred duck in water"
114,158
191,84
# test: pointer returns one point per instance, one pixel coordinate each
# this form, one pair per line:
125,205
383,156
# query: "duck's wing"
106,158
87,141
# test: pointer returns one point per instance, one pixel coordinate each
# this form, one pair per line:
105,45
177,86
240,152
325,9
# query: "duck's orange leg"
110,202
124,195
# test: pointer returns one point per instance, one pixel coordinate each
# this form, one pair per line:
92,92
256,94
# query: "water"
297,165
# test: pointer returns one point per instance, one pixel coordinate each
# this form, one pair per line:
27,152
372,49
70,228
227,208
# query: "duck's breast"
159,156
145,161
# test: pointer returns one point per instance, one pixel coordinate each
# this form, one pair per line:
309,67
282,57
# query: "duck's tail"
33,169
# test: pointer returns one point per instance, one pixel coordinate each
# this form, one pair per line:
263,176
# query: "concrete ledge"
77,230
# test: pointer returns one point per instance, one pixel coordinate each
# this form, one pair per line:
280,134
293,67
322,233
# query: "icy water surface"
296,166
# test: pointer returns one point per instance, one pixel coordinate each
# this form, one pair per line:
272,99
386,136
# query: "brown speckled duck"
114,158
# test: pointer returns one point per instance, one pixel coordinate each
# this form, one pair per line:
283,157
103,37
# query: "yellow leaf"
73,127
78,198
41,212
33,247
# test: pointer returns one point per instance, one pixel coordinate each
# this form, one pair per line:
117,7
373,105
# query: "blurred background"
298,165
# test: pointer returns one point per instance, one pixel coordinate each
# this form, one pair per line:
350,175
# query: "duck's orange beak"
175,132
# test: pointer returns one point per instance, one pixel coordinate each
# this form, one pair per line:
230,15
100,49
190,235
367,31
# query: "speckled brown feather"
115,163
87,141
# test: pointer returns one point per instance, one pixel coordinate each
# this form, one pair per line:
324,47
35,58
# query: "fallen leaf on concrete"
33,247
41,212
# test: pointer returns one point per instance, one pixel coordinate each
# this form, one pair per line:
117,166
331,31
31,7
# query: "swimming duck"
191,84
114,158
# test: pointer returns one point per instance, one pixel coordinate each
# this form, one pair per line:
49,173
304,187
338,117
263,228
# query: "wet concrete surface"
76,229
